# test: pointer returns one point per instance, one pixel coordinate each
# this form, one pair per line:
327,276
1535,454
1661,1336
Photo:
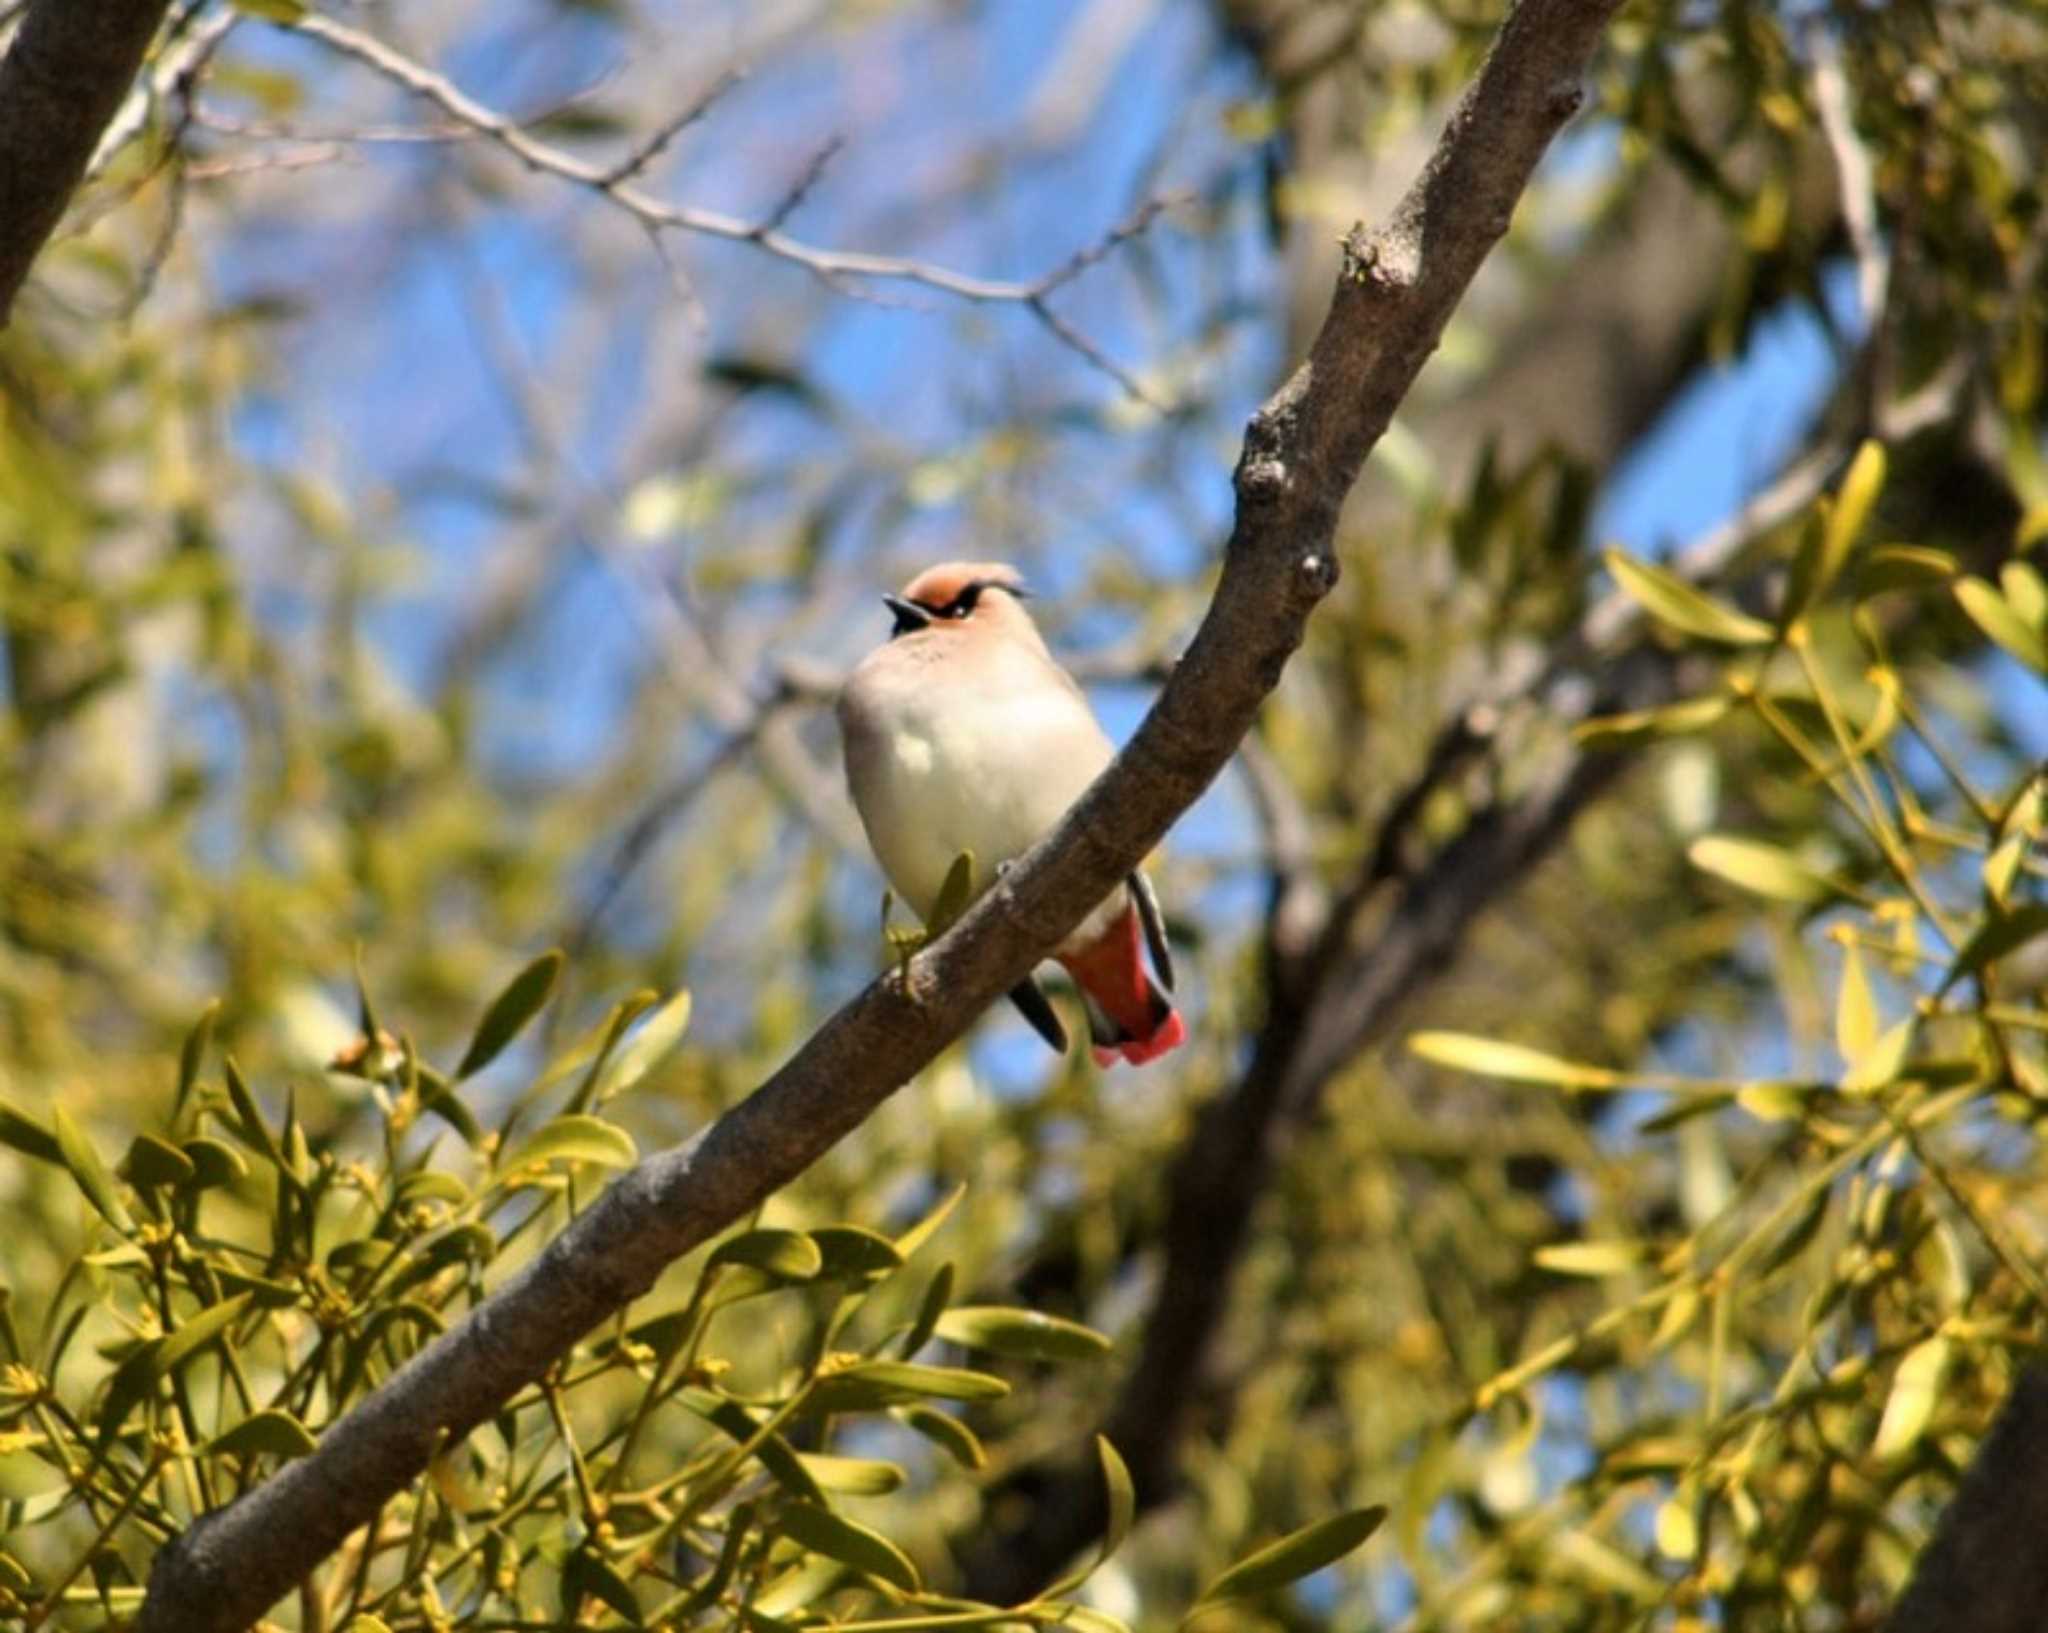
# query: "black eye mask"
912,616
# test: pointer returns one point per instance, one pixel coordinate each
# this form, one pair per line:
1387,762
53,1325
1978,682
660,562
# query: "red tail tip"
1170,1034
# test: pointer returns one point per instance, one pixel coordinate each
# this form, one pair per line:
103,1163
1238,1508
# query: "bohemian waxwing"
963,734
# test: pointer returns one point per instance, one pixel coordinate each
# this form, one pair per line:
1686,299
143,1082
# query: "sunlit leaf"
1298,1554
789,1254
523,998
837,1537
576,1139
1765,869
1826,548
854,1476
948,1433
1916,1390
1024,1334
849,1253
645,1048
1512,1061
1999,619
88,1171
1669,599
869,1384
1998,937
1592,1258
1856,1018
269,1433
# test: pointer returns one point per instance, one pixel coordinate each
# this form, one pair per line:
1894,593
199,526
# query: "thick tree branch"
1302,452
62,80
1986,1571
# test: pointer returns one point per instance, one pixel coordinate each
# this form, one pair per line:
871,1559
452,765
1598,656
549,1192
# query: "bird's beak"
909,615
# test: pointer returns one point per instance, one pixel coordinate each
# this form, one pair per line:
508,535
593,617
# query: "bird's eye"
962,604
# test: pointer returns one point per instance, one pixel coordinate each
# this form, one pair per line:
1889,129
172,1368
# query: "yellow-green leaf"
1512,1061
1916,1387
851,1253
1610,1258
576,1139
269,1433
193,1055
653,1042
87,1170
1856,1018
788,1254
273,11
954,894
1298,1554
2000,620
837,1537
1883,1061
26,1135
1673,720
521,1000
1826,548
1767,870
2025,593
1024,1334
1998,937
1904,567
948,1433
869,1384
855,1476
195,1332
154,1162
1672,601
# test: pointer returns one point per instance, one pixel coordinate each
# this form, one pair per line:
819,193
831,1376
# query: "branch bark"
1302,452
62,80
1986,1571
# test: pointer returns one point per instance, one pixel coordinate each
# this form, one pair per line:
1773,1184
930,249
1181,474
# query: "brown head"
959,597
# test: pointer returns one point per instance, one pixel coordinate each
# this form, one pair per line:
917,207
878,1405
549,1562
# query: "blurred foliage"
404,567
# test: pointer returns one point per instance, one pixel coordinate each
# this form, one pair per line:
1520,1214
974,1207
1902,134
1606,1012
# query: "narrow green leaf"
249,1124
938,1293
1512,1061
588,1573
837,1537
1607,1258
596,1049
1298,1554
192,1056
194,1333
867,1385
269,1433
1024,1334
1673,720
1880,1064
948,1433
1903,567
1826,548
272,11
854,1476
646,1049
1916,1389
1857,1022
927,1227
790,1255
522,999
1672,601
1765,870
26,1135
954,894
576,1139
1121,1494
2025,593
772,1451
1997,618
1996,938
88,1171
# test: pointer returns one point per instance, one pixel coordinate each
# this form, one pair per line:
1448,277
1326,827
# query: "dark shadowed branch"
64,76
1986,1571
1302,452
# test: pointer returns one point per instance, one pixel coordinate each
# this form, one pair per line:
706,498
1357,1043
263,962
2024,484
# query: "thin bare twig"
655,144
1852,168
842,269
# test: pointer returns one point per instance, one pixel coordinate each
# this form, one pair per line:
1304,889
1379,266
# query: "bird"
964,735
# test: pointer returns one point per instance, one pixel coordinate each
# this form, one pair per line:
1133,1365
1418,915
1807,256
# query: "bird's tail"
1129,1015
